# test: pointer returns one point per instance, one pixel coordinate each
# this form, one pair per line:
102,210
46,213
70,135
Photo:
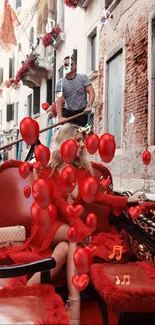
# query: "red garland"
48,39
146,207
71,3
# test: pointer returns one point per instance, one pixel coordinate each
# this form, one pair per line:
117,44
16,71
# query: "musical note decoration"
60,94
126,280
49,25
106,15
114,252
86,128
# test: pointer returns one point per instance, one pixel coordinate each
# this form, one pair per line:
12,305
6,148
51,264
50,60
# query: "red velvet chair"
15,210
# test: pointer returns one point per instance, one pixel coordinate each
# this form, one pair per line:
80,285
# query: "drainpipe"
52,6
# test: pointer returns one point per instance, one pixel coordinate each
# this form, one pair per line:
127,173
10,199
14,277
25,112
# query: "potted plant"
50,38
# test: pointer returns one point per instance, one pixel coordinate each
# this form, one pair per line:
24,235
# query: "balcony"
83,3
33,77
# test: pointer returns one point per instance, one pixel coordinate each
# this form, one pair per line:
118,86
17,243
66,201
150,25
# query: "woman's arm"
117,201
112,200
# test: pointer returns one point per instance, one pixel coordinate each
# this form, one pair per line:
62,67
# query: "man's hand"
88,110
62,119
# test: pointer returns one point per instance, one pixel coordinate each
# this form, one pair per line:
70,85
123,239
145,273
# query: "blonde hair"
67,131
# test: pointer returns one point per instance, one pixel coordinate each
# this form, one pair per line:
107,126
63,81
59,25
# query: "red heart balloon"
27,191
81,281
88,189
45,106
42,154
74,211
53,212
135,212
117,211
37,165
146,157
41,217
107,147
92,248
43,191
91,222
92,143
68,178
72,235
105,183
82,260
68,151
29,130
24,169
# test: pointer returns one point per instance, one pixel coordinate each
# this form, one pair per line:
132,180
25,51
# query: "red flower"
72,3
50,37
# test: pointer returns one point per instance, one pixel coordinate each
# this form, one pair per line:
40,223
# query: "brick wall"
129,27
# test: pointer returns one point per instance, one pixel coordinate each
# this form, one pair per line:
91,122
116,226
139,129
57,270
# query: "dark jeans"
81,121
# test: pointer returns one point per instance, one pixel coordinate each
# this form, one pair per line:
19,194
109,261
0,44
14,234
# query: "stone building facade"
126,91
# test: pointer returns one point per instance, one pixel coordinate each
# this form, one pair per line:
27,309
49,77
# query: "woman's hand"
136,198
87,241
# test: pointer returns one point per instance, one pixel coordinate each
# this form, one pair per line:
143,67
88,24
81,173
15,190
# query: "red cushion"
138,296
38,304
14,207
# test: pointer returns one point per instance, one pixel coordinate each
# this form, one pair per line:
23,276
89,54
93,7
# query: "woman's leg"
60,254
73,304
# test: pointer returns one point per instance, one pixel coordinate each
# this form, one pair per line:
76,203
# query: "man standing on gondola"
72,91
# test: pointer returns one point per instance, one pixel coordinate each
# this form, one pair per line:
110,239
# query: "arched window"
18,3
19,47
31,36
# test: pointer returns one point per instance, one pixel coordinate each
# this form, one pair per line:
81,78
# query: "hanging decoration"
50,37
9,22
71,3
146,157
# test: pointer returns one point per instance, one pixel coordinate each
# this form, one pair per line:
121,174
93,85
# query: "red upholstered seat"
137,296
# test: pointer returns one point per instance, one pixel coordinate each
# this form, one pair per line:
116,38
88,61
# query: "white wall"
78,25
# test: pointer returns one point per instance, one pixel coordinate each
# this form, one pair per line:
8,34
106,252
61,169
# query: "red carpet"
90,315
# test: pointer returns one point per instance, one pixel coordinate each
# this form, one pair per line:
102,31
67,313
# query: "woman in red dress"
104,237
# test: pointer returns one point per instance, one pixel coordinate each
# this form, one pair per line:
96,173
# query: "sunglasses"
68,64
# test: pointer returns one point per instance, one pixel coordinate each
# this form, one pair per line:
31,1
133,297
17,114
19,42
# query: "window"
29,105
11,67
49,91
1,76
10,112
61,72
92,51
16,112
18,3
36,100
75,56
115,96
108,3
31,36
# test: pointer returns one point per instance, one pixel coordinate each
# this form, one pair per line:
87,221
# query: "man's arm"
59,107
91,93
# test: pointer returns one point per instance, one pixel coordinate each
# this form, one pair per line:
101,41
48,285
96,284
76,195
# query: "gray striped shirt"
74,91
